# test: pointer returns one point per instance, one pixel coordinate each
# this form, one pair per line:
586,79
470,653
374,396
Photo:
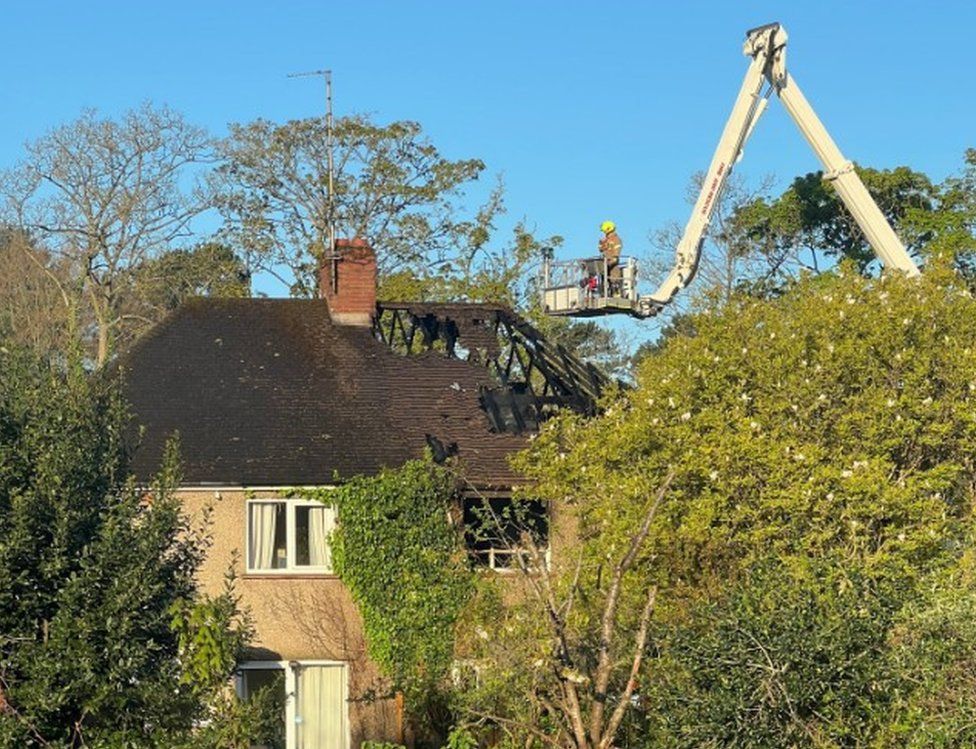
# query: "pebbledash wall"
298,617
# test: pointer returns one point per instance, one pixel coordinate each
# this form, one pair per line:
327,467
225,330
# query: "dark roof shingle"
270,392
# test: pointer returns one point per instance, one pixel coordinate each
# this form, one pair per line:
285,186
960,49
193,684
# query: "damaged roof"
269,392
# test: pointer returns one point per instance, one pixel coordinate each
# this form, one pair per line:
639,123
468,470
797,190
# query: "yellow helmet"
607,226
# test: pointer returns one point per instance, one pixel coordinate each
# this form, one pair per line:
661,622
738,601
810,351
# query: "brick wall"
351,295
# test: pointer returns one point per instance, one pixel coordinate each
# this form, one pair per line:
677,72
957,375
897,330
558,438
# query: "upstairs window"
499,531
289,536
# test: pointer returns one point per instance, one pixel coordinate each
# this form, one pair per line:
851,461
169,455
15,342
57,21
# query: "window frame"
291,539
290,669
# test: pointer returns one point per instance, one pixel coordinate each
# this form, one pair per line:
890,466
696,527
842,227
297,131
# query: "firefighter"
610,247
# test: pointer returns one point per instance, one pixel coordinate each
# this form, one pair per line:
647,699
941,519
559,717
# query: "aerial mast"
330,252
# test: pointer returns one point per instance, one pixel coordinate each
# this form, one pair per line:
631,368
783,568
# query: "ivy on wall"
398,551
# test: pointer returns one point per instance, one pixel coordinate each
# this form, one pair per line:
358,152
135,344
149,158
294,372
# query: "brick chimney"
351,291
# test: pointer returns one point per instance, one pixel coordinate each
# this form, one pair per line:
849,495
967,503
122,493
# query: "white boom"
766,46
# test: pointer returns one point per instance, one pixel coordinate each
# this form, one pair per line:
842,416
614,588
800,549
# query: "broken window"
499,532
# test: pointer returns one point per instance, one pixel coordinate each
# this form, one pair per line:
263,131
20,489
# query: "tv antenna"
330,148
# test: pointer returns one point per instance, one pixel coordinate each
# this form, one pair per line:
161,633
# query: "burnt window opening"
500,531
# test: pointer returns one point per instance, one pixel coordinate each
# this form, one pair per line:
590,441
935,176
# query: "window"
497,530
290,536
313,703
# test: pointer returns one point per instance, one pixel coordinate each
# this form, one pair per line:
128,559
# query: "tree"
104,639
557,654
725,260
162,283
821,438
951,228
33,312
779,657
104,196
933,651
810,223
392,186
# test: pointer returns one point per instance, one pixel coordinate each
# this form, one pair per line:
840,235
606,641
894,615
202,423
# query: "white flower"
927,401
830,496
754,424
846,474
686,416
890,402
713,475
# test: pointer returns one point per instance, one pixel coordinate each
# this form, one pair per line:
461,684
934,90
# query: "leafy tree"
933,652
161,284
102,629
778,658
810,223
588,340
951,229
392,187
825,436
103,196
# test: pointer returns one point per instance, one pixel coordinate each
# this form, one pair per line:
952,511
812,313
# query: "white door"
320,707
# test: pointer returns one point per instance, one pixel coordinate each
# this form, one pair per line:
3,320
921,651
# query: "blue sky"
588,110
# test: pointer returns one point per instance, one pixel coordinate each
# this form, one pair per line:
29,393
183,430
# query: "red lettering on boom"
712,189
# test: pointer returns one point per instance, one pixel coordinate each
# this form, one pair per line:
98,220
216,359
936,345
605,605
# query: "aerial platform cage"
584,287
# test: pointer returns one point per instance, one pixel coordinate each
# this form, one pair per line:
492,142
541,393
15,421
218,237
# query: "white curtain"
264,522
321,522
321,707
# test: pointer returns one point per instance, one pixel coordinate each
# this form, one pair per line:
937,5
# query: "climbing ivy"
398,551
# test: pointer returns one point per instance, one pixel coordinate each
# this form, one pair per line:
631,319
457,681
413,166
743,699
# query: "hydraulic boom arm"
766,46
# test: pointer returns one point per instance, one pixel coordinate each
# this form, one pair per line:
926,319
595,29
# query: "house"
268,395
